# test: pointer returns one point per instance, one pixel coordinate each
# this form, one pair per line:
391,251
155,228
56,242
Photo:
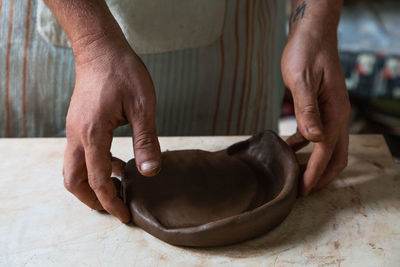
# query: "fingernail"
149,166
314,130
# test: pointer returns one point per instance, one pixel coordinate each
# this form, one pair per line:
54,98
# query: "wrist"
91,28
105,44
317,20
315,35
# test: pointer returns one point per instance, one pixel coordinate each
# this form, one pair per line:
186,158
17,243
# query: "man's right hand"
113,88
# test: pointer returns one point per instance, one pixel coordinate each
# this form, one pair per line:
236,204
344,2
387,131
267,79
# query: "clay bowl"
205,198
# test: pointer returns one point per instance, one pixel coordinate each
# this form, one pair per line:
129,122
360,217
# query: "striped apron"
230,87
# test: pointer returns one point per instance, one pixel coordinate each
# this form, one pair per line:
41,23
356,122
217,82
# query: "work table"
355,221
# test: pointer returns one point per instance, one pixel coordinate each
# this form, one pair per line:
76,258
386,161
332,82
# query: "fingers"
310,128
307,111
147,149
87,164
316,166
75,176
338,161
145,140
322,168
98,164
117,166
297,141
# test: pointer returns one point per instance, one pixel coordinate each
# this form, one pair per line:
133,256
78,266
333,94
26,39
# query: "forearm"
317,17
88,25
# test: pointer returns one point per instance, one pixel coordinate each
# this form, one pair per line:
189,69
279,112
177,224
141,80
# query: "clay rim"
287,188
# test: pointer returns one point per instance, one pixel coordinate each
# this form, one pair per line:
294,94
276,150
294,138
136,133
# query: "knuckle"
89,132
309,109
305,80
293,79
303,77
70,184
295,71
97,184
144,140
139,105
85,128
107,206
143,106
144,100
107,203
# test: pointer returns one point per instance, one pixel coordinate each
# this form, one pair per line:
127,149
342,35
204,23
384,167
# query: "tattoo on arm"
298,13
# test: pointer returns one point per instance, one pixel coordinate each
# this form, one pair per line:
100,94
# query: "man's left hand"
312,71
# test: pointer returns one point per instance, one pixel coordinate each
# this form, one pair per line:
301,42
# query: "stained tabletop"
355,221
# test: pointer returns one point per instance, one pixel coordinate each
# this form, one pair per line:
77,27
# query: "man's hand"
312,71
113,88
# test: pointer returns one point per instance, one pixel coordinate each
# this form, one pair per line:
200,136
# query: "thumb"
146,145
307,112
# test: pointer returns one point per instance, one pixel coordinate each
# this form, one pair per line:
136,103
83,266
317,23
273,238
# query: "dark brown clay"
205,198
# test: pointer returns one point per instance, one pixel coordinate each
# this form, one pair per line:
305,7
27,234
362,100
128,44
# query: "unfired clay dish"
203,198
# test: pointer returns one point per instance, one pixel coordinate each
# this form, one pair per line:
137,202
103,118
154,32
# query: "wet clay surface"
196,187
203,198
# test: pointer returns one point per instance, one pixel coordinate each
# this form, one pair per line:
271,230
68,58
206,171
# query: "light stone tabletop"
355,221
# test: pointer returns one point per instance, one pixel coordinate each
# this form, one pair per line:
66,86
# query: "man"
113,88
